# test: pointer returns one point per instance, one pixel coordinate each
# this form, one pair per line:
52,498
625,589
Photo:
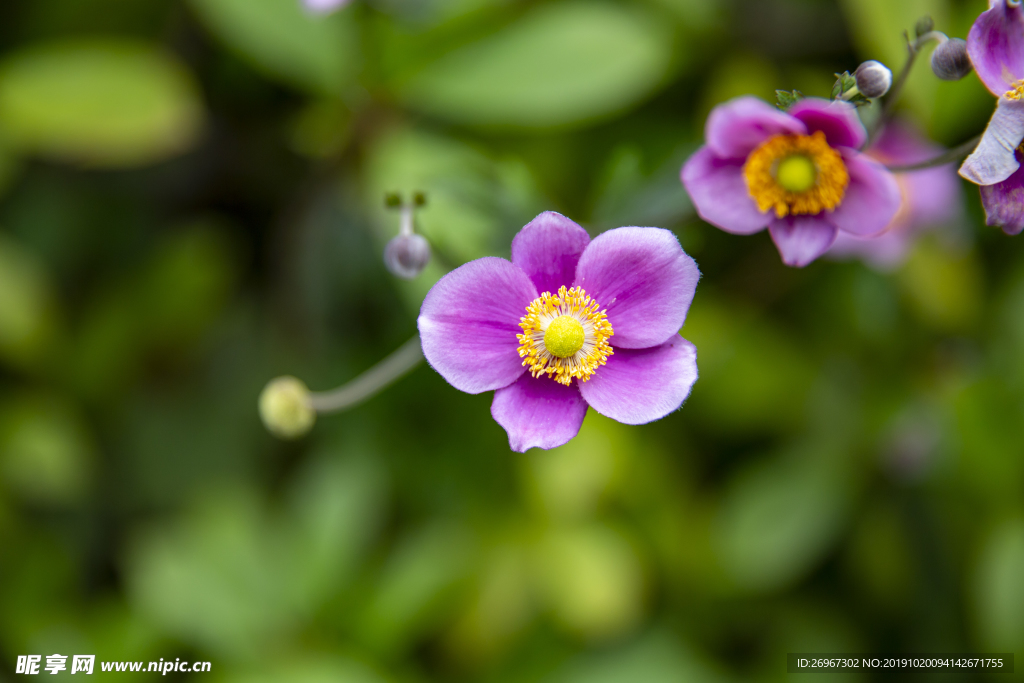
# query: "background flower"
930,198
324,6
859,197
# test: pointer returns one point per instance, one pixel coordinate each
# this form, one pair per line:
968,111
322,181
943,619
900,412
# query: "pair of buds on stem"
289,409
873,79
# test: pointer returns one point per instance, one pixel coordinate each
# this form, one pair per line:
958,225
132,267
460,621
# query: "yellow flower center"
564,336
796,174
1016,93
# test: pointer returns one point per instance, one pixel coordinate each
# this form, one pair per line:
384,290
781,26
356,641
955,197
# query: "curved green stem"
371,382
946,157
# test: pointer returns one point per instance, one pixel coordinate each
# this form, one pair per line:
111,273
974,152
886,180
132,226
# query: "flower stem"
370,382
913,48
946,157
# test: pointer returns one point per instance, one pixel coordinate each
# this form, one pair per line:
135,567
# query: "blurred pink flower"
324,6
931,197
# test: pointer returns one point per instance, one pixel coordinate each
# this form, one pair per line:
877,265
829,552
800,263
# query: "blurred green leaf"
988,416
311,668
27,306
337,508
560,64
998,587
944,286
780,517
656,658
593,579
416,585
46,453
99,103
216,580
319,54
753,377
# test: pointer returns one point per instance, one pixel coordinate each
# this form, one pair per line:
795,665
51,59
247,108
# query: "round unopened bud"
873,78
407,255
285,408
950,61
392,200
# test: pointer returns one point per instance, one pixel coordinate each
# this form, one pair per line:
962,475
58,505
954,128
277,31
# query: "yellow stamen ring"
796,174
1016,93
564,336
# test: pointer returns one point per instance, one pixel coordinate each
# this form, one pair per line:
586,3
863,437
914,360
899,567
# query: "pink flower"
931,197
568,323
798,173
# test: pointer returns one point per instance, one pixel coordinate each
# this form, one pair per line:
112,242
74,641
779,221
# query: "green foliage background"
191,203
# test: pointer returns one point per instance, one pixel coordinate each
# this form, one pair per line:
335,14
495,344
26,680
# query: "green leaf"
27,306
560,64
286,43
99,103
999,587
784,100
780,517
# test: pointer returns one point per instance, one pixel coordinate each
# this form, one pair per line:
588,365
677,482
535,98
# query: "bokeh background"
191,203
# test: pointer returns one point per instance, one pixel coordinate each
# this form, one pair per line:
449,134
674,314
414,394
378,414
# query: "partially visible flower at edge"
995,44
931,197
798,173
324,6
485,323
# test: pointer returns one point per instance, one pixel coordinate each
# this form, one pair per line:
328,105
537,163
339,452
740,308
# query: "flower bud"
285,408
407,255
873,78
950,61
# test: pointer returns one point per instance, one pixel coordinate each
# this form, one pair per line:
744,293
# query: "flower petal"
538,412
735,128
719,193
469,321
1004,203
995,45
548,249
837,120
642,385
871,200
644,280
324,6
801,239
993,160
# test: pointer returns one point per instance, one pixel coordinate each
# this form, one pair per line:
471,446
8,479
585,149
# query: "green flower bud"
950,61
285,408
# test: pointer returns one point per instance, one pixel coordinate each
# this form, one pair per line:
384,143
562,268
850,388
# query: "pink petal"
538,412
548,249
642,385
995,45
837,120
995,159
469,321
735,128
645,281
801,239
871,200
719,193
1004,203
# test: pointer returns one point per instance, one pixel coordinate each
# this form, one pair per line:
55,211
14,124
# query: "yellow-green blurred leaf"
27,305
943,286
998,588
100,103
560,64
285,42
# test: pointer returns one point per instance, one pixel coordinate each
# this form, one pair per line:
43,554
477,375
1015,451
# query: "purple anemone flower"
931,197
324,6
798,173
995,45
569,322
